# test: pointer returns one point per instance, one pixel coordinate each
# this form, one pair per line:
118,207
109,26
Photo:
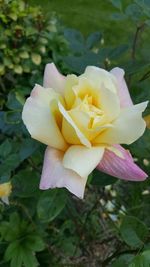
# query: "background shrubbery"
110,227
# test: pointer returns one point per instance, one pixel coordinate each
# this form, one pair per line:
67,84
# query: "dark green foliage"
50,204
23,241
133,231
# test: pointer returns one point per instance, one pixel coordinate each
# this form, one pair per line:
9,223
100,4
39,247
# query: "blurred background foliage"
110,227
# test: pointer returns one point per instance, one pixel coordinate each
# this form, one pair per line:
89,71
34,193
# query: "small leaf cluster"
23,241
28,38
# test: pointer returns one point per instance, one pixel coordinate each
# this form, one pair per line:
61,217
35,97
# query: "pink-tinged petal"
123,168
124,95
55,175
53,79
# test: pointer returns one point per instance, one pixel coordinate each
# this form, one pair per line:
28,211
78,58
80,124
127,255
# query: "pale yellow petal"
83,122
127,128
110,103
100,76
82,160
70,81
53,79
79,134
70,133
5,189
39,119
85,87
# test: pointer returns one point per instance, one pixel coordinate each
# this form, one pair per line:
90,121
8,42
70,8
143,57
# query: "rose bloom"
5,191
83,120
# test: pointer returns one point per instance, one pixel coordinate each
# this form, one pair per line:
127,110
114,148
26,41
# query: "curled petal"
127,128
72,129
124,95
39,119
82,160
121,167
54,174
53,79
100,76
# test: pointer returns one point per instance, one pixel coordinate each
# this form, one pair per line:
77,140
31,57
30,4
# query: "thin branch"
145,76
139,29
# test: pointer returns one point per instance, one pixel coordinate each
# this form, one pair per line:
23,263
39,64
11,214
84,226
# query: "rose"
5,191
83,120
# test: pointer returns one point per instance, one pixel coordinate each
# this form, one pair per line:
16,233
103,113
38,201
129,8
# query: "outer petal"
100,76
55,175
123,168
125,99
82,160
53,79
127,128
39,119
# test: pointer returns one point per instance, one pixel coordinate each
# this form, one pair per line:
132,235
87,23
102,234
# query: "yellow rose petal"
5,189
100,76
127,128
82,160
39,119
69,94
79,134
147,119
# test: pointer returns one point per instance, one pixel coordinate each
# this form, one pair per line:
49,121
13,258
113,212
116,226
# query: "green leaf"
50,204
118,51
5,148
34,243
102,179
10,230
11,250
134,12
133,231
79,63
145,5
27,148
4,177
93,39
123,260
142,260
118,16
75,39
13,117
12,102
7,166
17,259
141,148
117,3
25,183
29,258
